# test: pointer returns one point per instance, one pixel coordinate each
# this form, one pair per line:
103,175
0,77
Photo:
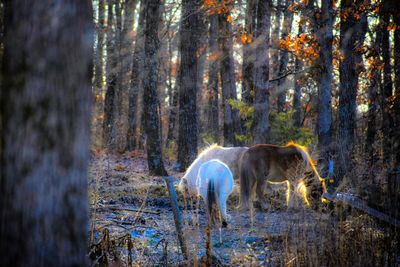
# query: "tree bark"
324,80
97,120
284,57
111,76
248,53
297,86
136,81
44,136
150,97
387,87
188,88
352,33
231,125
212,110
373,102
261,106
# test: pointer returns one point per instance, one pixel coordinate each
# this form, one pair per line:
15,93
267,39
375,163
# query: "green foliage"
282,128
208,138
246,114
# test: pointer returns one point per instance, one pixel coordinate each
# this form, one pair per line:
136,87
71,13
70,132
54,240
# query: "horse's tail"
245,183
211,201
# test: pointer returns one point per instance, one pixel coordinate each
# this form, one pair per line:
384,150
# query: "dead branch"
357,203
177,216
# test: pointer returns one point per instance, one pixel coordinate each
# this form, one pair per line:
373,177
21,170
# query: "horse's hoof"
224,224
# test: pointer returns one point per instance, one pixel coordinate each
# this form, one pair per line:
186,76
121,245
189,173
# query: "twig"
129,209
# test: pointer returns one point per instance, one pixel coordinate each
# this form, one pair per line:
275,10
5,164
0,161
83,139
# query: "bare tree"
324,119
44,135
261,102
99,74
111,68
212,109
352,34
134,92
227,70
150,96
248,52
188,85
284,57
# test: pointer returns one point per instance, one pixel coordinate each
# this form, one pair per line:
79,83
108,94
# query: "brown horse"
277,164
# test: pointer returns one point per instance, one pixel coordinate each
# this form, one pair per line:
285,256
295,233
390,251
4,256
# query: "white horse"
228,155
214,184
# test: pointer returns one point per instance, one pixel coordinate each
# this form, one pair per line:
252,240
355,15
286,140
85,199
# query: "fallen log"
357,203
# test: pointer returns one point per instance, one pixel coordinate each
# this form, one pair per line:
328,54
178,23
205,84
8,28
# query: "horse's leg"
293,200
222,208
260,192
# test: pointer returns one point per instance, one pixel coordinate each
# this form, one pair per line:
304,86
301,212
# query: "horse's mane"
306,156
201,154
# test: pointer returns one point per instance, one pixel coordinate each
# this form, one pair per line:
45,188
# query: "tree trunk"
261,107
98,78
274,50
396,106
124,48
228,83
375,83
324,80
125,73
387,87
150,97
352,33
284,57
45,117
111,76
136,80
297,88
248,53
212,110
189,46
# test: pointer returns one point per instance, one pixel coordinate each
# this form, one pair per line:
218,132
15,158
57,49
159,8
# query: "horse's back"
217,172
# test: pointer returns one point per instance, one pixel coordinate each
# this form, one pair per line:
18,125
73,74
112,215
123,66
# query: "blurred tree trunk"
212,109
352,35
394,176
124,50
274,41
98,78
248,52
150,97
188,85
284,57
298,77
396,106
227,69
111,69
387,86
261,124
173,105
125,72
324,119
274,51
373,101
45,117
136,79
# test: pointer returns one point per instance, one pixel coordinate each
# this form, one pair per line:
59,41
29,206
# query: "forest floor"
131,214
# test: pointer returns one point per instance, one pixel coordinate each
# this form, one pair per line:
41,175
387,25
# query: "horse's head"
314,188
